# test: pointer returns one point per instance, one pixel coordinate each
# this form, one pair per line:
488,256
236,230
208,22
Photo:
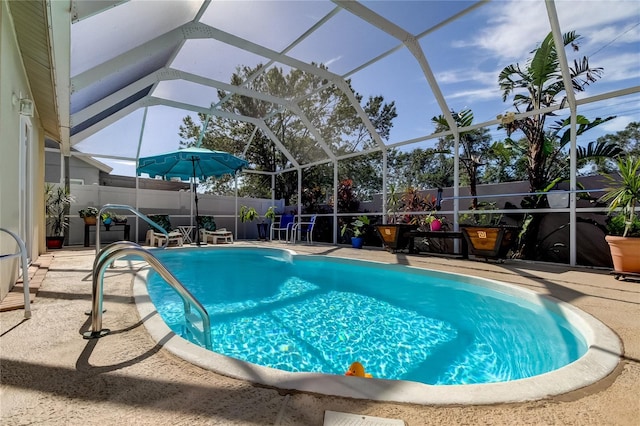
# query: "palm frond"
544,62
595,149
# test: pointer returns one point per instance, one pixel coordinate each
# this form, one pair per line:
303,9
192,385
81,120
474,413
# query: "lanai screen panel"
407,88
123,51
272,24
186,92
108,34
418,16
214,59
343,43
118,139
611,40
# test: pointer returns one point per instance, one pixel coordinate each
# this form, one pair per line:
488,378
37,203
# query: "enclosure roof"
139,67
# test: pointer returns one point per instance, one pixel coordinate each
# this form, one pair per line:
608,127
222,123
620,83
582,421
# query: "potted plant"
119,218
357,229
106,219
624,225
89,215
485,233
396,233
434,222
57,202
270,214
248,214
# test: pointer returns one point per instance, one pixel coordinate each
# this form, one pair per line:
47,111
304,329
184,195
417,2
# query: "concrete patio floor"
51,375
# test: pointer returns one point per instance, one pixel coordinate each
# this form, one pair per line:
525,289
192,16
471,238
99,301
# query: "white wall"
177,204
13,81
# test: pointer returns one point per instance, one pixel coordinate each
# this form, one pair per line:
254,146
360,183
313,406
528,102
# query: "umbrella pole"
195,186
197,222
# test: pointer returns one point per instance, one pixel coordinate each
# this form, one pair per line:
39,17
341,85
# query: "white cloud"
475,95
621,67
332,60
513,26
617,124
467,75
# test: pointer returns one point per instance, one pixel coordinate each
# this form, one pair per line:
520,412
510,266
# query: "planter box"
395,236
490,242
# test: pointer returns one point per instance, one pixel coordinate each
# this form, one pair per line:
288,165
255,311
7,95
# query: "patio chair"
285,224
303,229
221,234
156,238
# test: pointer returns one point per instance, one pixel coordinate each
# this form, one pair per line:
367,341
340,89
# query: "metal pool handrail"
25,269
120,249
137,213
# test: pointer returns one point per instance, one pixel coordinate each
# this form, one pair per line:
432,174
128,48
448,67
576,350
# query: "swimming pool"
316,314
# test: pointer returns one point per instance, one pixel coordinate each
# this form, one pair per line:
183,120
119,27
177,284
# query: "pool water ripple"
312,314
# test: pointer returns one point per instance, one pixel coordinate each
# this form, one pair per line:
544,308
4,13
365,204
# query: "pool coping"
604,351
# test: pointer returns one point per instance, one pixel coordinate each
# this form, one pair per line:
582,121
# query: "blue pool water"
319,314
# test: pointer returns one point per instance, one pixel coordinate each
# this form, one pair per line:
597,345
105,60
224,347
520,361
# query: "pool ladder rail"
22,252
142,216
198,325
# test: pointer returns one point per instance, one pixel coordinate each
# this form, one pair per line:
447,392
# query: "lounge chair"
285,224
157,238
303,229
221,234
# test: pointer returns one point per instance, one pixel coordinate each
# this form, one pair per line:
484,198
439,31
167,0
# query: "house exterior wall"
78,169
13,81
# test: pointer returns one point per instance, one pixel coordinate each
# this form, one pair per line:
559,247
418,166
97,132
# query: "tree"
538,85
475,144
628,140
505,163
324,105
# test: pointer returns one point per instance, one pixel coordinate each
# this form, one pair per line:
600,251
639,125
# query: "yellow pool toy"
357,369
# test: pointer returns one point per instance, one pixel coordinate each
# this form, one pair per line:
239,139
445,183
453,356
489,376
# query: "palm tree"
539,85
474,143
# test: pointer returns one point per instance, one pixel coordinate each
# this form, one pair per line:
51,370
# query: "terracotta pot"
624,253
90,220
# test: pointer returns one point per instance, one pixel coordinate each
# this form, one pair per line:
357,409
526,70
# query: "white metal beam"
571,100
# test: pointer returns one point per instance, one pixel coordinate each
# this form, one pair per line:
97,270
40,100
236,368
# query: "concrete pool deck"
50,375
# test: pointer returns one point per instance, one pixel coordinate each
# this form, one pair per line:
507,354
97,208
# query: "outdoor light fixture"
25,105
507,118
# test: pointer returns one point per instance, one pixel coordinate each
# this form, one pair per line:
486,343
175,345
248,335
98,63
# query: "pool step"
335,418
194,327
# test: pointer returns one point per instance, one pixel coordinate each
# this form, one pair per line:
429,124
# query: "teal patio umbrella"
190,163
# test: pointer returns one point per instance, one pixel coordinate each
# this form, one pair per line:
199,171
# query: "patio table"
186,231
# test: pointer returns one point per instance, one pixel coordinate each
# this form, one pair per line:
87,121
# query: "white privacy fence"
177,204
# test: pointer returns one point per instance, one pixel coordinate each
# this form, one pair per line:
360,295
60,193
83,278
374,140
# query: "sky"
465,56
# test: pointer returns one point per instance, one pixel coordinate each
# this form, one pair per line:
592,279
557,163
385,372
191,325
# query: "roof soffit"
32,31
